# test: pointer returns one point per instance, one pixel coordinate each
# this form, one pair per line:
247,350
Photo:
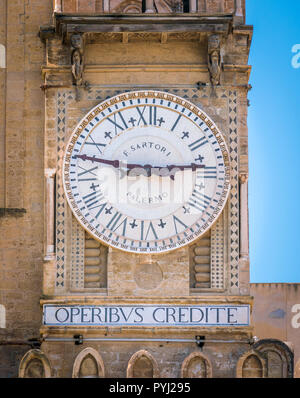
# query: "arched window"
275,365
251,365
88,364
196,365
34,365
142,365
280,359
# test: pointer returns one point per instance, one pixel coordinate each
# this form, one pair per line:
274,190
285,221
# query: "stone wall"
27,113
21,174
276,314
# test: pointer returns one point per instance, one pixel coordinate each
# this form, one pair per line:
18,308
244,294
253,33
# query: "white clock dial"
146,172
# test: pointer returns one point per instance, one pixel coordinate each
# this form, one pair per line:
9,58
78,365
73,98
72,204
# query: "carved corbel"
214,59
77,58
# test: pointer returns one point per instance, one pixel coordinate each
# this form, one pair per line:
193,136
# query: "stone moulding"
196,355
82,355
243,358
135,357
67,24
34,355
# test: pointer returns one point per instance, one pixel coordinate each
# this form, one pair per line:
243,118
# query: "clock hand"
147,168
114,163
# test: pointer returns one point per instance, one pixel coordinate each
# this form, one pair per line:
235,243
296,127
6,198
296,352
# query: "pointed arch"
88,364
251,365
34,365
196,365
142,364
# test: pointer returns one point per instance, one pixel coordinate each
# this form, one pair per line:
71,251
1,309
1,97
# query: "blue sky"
274,142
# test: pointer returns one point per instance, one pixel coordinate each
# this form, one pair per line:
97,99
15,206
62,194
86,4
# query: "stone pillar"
57,6
49,259
239,8
105,5
239,16
50,203
244,237
244,233
193,6
149,6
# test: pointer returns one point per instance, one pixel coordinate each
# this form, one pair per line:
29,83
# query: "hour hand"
114,163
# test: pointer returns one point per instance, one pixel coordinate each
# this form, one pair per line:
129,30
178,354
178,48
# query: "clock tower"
146,267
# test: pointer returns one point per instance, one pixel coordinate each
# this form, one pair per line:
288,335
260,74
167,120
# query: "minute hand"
114,163
148,167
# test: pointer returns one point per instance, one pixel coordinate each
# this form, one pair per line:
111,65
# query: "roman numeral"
124,223
101,209
121,125
96,144
176,221
208,172
176,122
197,144
141,114
199,201
153,231
92,198
152,115
114,220
87,171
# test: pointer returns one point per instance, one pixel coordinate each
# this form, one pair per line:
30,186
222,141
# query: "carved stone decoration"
142,365
35,365
129,6
214,59
77,58
196,365
279,358
177,6
88,364
251,365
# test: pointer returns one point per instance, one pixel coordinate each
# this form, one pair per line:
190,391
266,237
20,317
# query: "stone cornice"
113,300
90,23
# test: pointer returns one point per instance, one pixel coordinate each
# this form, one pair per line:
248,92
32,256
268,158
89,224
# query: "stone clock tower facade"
145,290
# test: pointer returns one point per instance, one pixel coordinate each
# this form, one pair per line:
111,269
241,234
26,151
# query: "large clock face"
146,172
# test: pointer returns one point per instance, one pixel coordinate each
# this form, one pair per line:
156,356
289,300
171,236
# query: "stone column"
105,5
57,5
244,233
244,274
238,8
149,6
238,17
49,259
193,6
50,203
